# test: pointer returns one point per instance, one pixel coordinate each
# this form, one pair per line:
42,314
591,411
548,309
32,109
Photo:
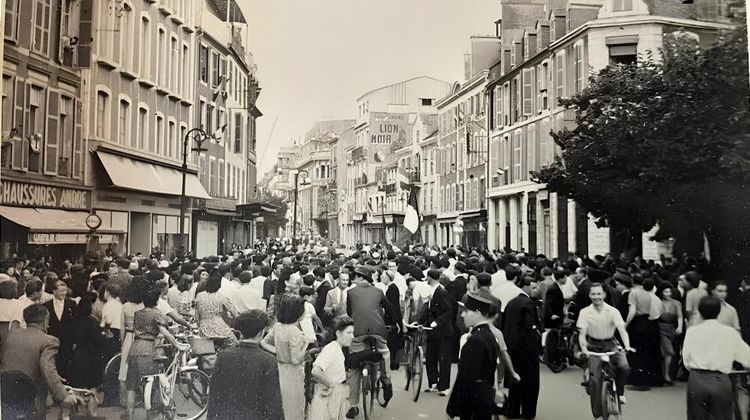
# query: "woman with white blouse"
330,397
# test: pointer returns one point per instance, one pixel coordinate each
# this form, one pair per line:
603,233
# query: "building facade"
549,51
44,200
226,91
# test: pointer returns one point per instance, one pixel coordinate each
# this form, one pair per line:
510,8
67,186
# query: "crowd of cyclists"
322,311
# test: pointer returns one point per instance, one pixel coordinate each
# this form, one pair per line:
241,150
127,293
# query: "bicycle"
86,407
371,385
611,406
414,368
559,347
183,375
740,393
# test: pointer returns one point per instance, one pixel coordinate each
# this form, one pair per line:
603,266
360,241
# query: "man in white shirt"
336,297
258,282
398,279
709,393
505,288
228,286
247,297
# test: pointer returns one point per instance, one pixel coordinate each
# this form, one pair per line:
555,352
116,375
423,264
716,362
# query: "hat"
433,274
476,302
363,271
460,266
484,277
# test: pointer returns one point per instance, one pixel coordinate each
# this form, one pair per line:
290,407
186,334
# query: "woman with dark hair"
329,400
86,365
287,341
670,325
138,287
645,363
182,295
211,307
148,324
78,285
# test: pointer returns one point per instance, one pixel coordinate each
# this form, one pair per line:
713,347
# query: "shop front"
144,197
51,220
474,229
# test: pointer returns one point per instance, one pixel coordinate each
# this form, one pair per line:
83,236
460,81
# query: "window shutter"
79,145
560,69
17,140
26,124
51,134
83,59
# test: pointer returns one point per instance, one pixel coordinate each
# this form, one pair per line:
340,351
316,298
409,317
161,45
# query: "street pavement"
560,398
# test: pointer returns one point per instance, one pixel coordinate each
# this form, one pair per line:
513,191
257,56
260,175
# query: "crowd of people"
269,309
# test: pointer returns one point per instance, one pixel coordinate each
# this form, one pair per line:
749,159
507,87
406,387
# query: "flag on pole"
411,217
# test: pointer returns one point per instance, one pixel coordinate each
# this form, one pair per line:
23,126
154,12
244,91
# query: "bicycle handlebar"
418,327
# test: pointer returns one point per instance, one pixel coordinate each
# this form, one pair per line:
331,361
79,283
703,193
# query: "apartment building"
226,91
44,201
549,53
383,126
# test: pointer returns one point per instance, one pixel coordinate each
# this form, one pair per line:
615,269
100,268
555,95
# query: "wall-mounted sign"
67,238
387,129
22,194
93,221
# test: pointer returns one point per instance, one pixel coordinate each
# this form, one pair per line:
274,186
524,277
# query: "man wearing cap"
368,307
439,316
473,395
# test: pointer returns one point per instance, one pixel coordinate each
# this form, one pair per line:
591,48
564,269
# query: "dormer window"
622,5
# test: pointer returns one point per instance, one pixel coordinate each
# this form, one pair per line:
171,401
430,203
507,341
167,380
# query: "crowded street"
374,210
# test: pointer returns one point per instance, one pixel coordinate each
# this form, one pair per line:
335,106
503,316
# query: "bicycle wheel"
417,371
367,396
407,366
611,408
190,397
377,388
111,382
552,354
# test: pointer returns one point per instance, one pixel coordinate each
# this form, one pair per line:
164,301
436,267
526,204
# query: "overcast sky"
315,57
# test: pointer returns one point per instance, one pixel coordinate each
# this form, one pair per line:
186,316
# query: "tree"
666,141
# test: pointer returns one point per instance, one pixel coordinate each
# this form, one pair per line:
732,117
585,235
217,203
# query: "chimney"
530,45
518,51
506,59
467,66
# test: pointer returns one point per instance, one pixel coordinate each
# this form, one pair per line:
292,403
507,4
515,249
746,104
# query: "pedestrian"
439,317
670,326
522,330
330,394
252,392
211,309
645,363
728,315
86,364
473,395
61,319
709,351
287,341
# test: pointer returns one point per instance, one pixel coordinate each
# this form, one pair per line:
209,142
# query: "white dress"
332,406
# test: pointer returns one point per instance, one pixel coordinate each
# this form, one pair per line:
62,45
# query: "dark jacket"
367,305
521,325
554,304
439,310
252,392
63,329
320,302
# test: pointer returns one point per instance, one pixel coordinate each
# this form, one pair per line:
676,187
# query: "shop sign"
23,194
67,238
386,128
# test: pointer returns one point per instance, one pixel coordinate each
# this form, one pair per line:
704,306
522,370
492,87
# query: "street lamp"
305,181
199,137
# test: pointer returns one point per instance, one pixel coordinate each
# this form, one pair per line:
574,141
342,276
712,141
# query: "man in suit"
322,294
438,316
521,328
252,392
32,352
336,298
60,322
554,303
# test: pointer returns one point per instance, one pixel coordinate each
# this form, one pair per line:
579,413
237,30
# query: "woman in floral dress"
211,307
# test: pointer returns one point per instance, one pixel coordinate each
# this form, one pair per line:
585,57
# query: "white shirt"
400,282
228,287
600,325
112,314
163,306
331,362
505,291
697,354
569,289
306,324
59,306
422,291
9,310
246,298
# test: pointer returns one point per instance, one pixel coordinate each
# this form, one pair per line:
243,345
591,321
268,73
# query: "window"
527,89
102,114
214,68
622,5
126,35
210,115
41,26
222,188
7,105
174,64
161,70
65,136
144,55
185,88
123,123
159,146
11,19
237,133
426,101
212,175
203,115
623,54
545,144
180,140
531,159
36,118
517,156
578,67
560,72
172,140
143,142
202,170
203,65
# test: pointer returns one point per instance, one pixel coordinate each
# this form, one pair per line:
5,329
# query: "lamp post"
296,195
199,136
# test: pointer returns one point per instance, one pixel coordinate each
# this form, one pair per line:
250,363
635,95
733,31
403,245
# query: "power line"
269,139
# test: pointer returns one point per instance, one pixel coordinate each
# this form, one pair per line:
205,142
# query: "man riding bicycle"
367,305
597,323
